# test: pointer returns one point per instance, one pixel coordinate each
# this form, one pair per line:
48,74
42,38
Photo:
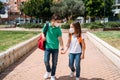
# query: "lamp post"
9,11
104,8
104,16
9,14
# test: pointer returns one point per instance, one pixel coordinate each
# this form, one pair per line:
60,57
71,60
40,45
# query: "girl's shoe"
47,75
72,74
77,78
52,77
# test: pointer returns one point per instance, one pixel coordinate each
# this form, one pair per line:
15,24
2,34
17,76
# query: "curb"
112,53
13,54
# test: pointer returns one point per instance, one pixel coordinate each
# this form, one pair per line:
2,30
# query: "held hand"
82,56
62,52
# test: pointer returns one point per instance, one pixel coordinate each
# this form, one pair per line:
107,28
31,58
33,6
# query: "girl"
76,47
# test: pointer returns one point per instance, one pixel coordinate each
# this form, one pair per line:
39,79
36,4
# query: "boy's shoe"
52,77
47,75
72,74
77,78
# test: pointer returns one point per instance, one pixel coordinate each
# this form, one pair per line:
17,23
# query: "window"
118,7
118,2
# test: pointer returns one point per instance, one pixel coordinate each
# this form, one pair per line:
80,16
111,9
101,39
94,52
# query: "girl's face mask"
71,30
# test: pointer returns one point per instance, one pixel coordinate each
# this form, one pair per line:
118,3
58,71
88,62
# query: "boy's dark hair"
55,17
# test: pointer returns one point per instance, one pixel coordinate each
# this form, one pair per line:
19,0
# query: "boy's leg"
46,60
77,59
54,61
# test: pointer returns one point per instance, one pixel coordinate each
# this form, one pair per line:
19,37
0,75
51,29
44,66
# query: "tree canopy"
67,8
37,8
1,5
98,8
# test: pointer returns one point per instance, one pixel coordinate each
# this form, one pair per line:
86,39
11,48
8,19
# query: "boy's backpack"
80,41
41,42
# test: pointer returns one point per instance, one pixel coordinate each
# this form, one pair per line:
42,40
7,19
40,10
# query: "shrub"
85,25
113,24
95,25
65,26
31,25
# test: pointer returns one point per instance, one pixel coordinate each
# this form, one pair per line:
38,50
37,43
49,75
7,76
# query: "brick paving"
95,66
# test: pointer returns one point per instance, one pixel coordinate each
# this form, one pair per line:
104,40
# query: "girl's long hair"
77,29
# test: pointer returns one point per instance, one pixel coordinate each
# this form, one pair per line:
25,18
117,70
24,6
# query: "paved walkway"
95,66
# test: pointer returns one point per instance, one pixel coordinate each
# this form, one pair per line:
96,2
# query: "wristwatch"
62,48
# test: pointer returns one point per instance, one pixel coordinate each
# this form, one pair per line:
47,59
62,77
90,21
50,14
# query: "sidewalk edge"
14,53
112,53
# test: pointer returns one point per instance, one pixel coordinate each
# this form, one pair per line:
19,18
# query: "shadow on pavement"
69,78
4,73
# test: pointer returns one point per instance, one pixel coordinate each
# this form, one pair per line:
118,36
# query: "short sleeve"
59,32
83,36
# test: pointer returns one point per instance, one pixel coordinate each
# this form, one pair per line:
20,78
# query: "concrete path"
95,66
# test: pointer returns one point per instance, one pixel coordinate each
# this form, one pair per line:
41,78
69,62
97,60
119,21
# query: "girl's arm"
83,49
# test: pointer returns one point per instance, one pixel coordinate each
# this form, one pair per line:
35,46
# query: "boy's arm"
61,42
67,46
61,45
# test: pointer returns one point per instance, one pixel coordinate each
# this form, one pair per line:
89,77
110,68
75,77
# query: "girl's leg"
71,62
77,59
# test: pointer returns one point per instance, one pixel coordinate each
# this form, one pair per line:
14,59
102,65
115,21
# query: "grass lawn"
3,25
11,38
111,37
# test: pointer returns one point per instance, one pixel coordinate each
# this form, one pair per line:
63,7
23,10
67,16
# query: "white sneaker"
77,78
72,74
47,75
52,77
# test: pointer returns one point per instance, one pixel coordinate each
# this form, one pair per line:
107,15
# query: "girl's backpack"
80,41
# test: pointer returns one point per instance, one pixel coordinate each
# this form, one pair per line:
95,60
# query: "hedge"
65,26
96,25
31,25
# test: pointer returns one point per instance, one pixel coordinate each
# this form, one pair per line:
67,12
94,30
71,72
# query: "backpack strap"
46,29
79,40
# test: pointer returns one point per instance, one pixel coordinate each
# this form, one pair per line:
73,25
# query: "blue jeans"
54,53
75,58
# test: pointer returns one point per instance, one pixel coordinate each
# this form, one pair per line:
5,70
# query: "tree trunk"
93,19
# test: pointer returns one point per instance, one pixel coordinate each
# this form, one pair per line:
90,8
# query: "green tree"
108,7
68,8
1,5
37,8
98,8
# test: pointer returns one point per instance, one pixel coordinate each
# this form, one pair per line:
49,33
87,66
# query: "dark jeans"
54,53
75,58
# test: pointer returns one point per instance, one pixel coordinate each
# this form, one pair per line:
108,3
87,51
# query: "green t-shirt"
52,35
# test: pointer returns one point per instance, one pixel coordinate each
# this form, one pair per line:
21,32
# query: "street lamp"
9,14
104,8
104,16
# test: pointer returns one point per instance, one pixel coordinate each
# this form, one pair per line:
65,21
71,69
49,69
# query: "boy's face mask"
55,23
71,30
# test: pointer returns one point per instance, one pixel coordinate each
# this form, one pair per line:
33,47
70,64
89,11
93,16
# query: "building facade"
12,10
116,7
